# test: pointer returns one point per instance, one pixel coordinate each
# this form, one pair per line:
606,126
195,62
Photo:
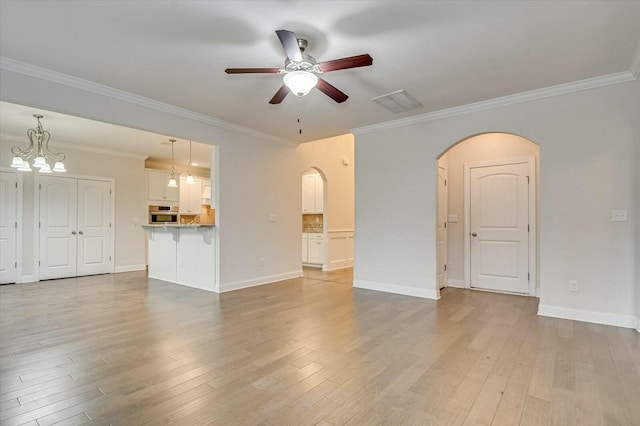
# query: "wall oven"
163,214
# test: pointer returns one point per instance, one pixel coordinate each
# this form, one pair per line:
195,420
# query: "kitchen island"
182,254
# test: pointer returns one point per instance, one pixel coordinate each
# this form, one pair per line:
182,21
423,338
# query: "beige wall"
130,200
327,156
489,146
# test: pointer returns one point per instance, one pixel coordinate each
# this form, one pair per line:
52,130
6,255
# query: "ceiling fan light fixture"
300,82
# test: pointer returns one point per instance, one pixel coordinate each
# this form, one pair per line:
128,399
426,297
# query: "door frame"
19,222
36,216
533,218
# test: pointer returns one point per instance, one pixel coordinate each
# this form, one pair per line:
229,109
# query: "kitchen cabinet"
206,191
158,189
190,196
313,248
312,193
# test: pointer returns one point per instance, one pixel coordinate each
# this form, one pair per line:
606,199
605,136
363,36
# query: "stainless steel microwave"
163,214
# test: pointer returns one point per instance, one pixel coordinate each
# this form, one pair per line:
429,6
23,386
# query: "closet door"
58,227
94,227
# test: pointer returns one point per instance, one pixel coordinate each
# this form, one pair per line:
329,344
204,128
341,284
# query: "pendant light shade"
190,180
172,180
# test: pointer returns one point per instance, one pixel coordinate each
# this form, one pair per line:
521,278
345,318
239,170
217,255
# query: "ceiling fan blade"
280,95
331,91
290,43
252,70
344,63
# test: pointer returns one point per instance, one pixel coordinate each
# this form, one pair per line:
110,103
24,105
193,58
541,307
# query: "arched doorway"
314,203
487,214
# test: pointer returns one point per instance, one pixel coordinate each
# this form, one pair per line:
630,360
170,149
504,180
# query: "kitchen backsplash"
312,223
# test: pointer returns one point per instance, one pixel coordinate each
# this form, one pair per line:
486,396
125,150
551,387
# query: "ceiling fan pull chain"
299,114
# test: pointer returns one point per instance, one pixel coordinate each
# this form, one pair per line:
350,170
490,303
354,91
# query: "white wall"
130,192
636,161
489,146
586,143
255,177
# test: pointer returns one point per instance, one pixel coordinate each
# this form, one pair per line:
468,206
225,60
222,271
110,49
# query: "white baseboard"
606,318
397,289
335,267
28,279
455,283
129,268
257,281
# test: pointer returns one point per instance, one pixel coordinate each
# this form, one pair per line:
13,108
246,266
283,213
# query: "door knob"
73,232
473,234
80,232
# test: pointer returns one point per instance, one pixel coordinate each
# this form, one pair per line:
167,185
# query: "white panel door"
58,227
319,194
441,230
499,219
94,227
8,240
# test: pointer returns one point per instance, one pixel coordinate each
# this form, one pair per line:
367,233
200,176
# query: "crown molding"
100,89
576,86
635,63
84,148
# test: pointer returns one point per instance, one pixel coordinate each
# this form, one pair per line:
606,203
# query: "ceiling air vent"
398,101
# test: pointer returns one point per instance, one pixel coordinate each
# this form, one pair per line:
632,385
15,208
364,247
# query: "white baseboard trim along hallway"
129,268
397,289
237,285
455,283
606,318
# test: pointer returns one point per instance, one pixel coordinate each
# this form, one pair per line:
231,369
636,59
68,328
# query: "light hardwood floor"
123,349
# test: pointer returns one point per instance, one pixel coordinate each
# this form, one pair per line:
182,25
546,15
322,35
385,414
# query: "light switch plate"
452,218
619,215
273,218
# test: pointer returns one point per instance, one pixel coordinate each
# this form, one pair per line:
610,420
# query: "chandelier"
172,180
38,151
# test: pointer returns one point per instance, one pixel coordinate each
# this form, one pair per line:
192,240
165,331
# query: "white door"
499,223
8,231
319,194
441,230
58,227
94,227
308,193
75,227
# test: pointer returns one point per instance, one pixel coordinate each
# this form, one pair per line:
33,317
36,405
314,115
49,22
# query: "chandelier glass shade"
39,151
300,82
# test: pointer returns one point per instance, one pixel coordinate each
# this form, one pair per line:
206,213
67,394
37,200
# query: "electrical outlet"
573,285
618,215
262,261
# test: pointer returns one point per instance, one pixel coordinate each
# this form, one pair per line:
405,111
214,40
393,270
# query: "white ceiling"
444,53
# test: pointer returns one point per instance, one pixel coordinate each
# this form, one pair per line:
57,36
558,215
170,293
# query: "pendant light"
172,180
190,179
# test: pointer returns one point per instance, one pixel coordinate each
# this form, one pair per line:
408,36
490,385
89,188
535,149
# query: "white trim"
589,83
19,222
84,148
100,89
28,279
635,63
268,279
129,268
397,289
533,208
456,283
597,317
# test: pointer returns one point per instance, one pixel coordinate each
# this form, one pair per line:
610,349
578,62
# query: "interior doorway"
314,244
487,233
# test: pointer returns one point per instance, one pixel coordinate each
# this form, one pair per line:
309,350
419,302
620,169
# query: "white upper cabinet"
312,193
190,196
157,183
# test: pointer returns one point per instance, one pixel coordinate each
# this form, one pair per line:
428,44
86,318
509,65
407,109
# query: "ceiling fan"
300,70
